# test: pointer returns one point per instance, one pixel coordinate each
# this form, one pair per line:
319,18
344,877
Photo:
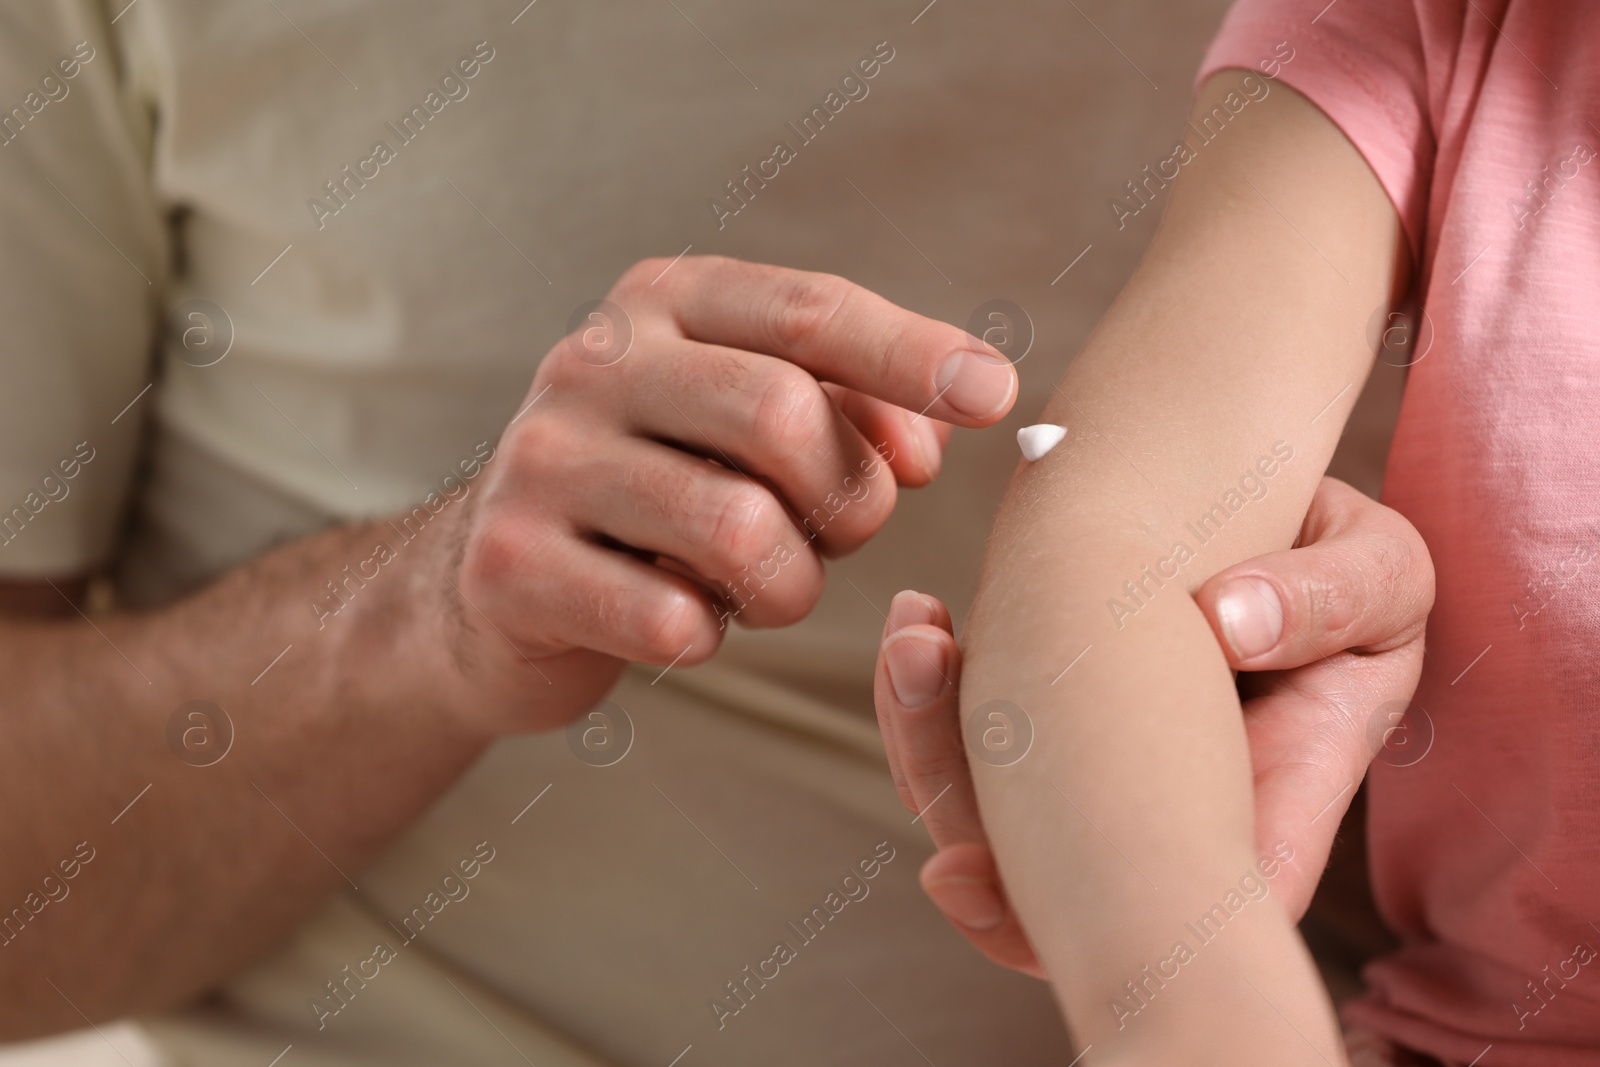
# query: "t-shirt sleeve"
1363,63
82,264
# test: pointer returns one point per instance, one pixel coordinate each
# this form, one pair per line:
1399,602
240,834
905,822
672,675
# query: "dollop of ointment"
1035,441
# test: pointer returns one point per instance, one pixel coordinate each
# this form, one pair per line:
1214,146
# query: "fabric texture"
81,283
1485,837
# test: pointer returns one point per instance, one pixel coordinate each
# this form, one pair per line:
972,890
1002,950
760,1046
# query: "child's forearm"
1201,416
1130,819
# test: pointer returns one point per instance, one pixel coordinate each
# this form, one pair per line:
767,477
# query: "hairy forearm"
1201,414
197,866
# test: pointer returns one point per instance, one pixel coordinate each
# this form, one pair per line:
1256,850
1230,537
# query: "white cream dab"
1037,440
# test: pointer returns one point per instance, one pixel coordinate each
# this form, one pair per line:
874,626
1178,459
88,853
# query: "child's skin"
1133,815
1353,599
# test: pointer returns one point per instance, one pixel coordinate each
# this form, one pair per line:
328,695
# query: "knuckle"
1415,562
904,790
851,513
1329,607
783,605
877,497
662,492
499,549
725,372
739,521
1398,546
560,365
1391,557
1404,578
537,443
804,307
789,412
667,624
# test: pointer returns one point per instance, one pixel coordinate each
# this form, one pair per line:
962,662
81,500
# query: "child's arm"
1236,350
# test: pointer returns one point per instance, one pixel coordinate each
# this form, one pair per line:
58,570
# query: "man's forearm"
194,869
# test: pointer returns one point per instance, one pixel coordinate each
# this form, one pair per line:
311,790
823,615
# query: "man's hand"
760,420
1331,632
653,490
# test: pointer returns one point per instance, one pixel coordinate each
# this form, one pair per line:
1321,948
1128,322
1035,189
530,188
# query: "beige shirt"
381,313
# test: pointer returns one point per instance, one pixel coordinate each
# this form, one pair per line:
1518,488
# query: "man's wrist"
399,624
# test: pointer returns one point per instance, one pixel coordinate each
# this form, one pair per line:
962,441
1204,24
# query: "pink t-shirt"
1480,119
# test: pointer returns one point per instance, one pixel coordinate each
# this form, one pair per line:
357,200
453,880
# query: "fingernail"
1251,616
972,902
908,608
928,446
978,384
916,670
